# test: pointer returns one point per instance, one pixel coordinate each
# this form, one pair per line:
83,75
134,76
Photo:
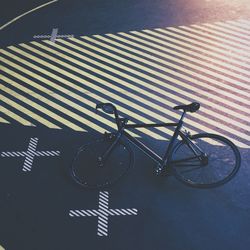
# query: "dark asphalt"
34,206
88,17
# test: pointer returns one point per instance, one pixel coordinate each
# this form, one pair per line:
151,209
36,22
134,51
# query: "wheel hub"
204,160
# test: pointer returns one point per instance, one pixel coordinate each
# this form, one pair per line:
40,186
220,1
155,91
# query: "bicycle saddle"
193,107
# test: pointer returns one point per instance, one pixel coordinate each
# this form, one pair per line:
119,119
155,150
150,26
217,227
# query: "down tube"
144,148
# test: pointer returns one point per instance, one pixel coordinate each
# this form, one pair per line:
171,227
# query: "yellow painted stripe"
95,88
185,63
216,34
77,97
48,102
2,120
209,48
187,31
28,112
53,95
35,105
157,59
200,54
140,108
122,74
56,86
237,35
159,90
171,104
130,70
164,76
15,116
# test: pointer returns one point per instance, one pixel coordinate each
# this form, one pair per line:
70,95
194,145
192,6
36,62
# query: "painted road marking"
30,154
26,13
54,35
103,212
16,117
145,73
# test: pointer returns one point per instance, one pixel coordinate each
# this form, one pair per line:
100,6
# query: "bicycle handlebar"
109,108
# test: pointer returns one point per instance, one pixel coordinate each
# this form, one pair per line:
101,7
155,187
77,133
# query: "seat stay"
194,148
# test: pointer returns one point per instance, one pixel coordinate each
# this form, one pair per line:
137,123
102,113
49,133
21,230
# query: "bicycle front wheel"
87,171
218,165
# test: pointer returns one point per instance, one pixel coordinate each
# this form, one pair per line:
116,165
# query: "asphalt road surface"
60,58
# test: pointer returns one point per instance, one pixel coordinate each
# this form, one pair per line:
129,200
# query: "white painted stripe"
103,225
225,27
113,212
73,213
239,26
213,58
167,70
26,13
132,211
101,219
103,213
220,34
185,63
103,199
227,54
200,37
26,169
91,212
54,35
103,205
102,229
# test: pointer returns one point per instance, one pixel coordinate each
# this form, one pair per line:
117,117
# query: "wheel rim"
219,166
86,169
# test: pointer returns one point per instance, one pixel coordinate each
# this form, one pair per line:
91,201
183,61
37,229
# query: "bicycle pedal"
158,170
162,171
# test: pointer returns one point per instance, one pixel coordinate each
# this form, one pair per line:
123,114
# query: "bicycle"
203,160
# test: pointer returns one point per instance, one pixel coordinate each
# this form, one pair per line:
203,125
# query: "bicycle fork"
101,159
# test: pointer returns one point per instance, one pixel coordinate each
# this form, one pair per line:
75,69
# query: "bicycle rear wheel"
86,171
219,165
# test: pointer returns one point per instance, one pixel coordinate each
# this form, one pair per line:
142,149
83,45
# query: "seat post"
174,137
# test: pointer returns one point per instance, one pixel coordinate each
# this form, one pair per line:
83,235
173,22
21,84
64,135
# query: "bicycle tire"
219,150
85,170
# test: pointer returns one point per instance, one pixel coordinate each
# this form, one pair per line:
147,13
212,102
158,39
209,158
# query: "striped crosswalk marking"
30,154
145,73
103,212
14,116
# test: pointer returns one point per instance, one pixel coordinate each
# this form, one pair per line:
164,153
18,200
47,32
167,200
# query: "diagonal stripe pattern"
103,212
29,154
145,73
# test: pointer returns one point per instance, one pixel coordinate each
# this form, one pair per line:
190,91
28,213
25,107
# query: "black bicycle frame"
122,126
153,155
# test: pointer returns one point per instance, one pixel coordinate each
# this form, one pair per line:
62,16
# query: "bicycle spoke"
221,164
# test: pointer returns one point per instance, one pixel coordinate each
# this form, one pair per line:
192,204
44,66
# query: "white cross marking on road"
103,212
29,154
54,35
